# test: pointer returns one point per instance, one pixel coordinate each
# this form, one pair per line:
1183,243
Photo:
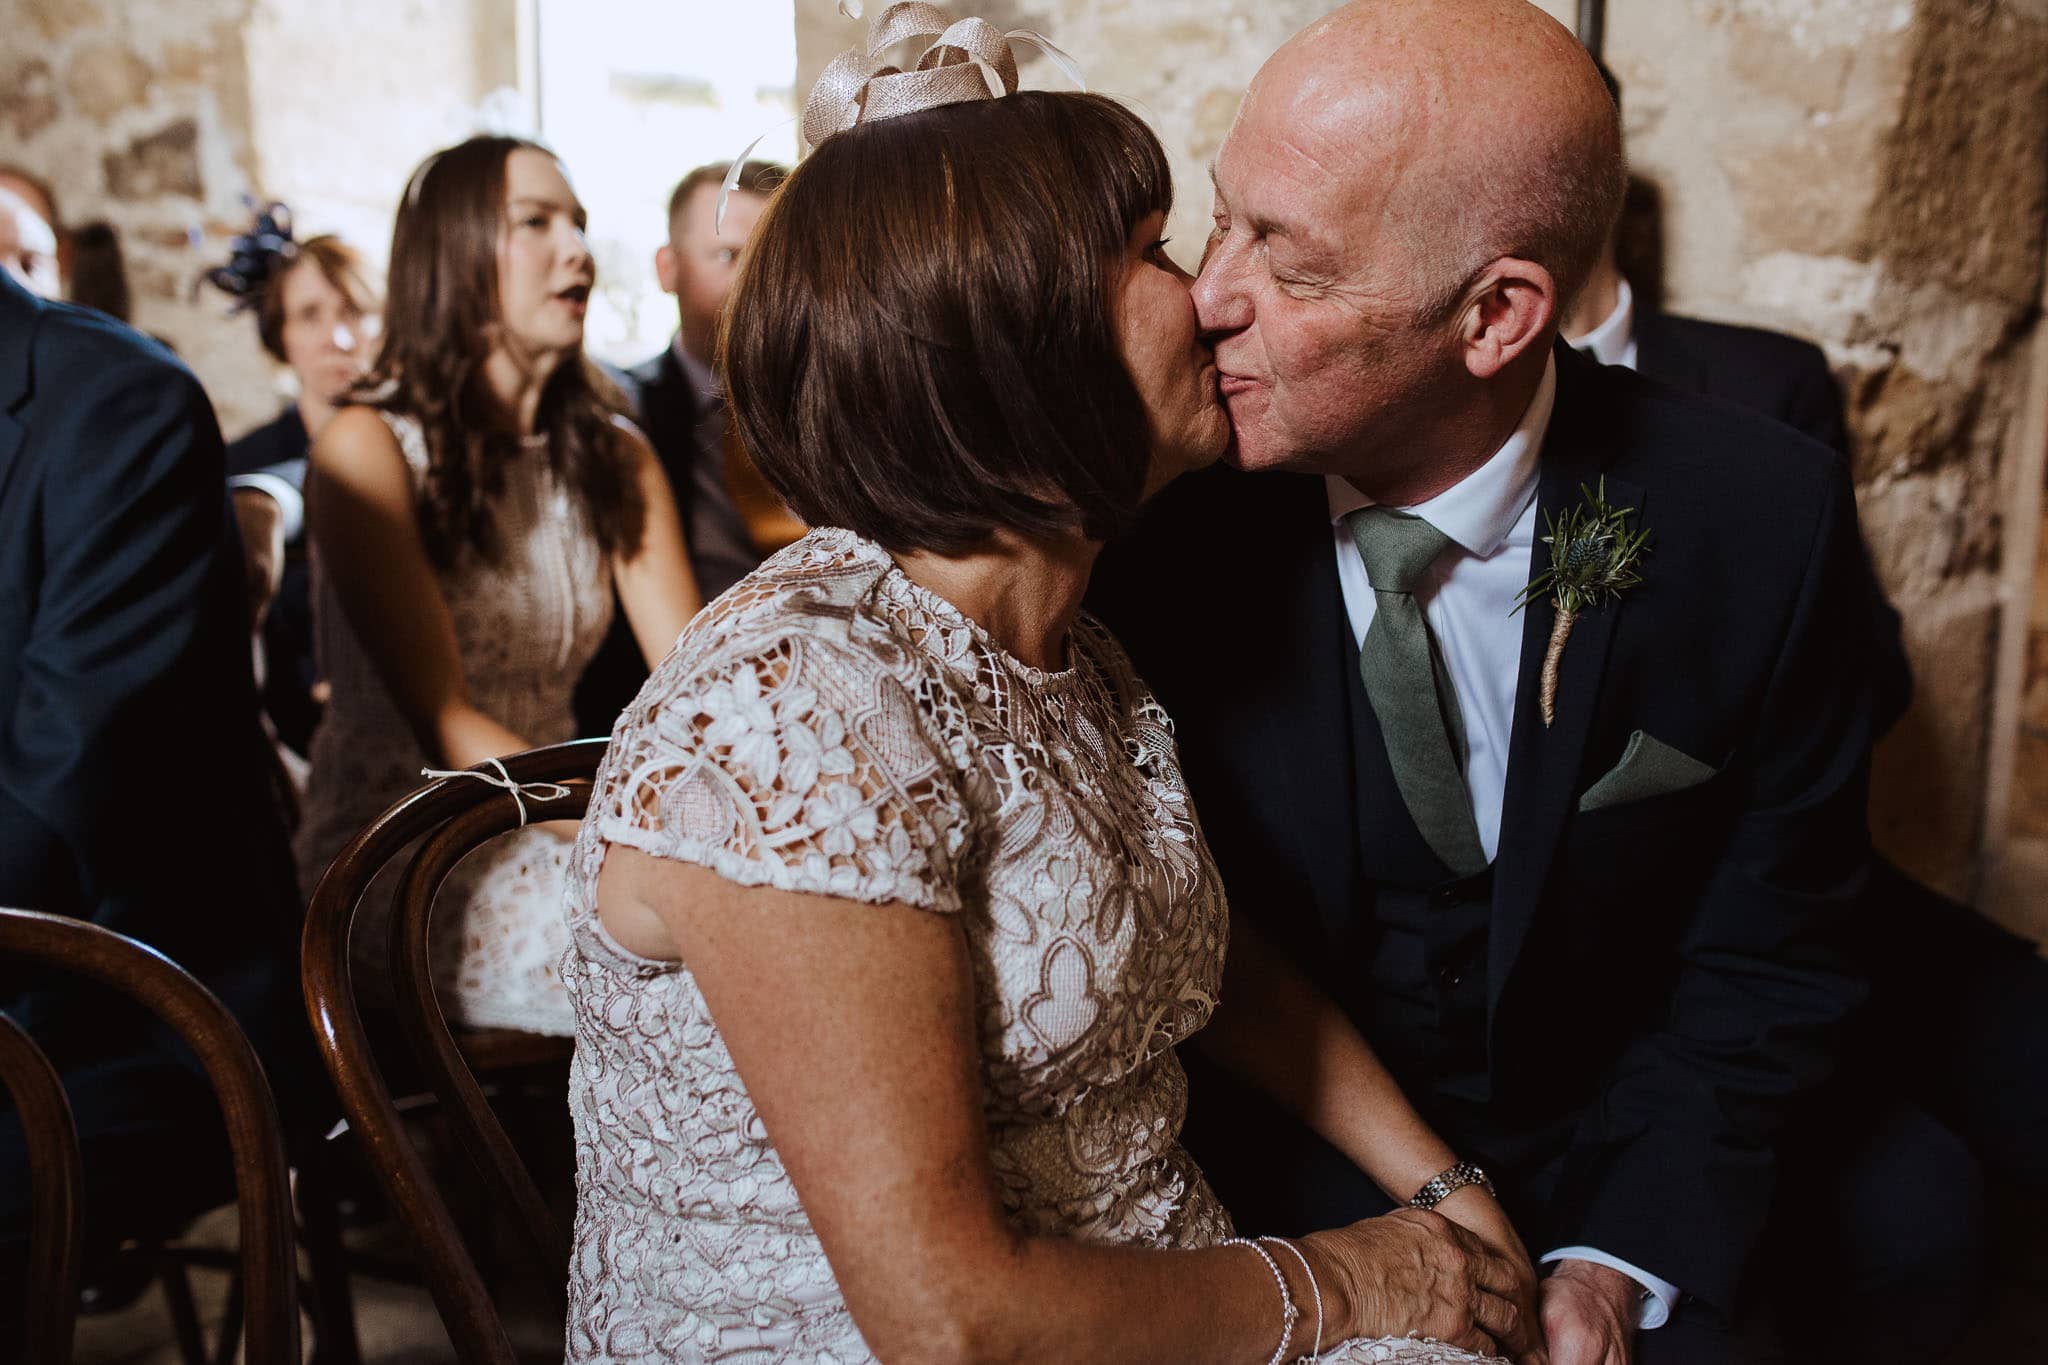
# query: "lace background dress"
829,726
525,626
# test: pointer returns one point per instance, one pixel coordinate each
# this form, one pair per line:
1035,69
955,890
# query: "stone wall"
1872,176
159,115
1875,177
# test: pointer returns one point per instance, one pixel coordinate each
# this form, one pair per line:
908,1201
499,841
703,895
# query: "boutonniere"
1593,558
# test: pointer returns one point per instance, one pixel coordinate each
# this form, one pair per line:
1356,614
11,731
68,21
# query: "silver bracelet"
1289,1314
1313,1288
1441,1187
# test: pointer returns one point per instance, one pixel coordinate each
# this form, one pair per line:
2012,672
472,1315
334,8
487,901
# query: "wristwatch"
1442,1187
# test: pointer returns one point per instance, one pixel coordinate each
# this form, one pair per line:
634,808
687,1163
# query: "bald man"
1601,944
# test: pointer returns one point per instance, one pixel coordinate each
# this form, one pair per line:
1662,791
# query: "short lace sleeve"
800,764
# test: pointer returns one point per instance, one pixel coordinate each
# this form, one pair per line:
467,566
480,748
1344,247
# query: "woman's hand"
1417,1271
1480,1214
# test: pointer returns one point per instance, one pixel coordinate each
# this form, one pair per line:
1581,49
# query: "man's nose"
1220,302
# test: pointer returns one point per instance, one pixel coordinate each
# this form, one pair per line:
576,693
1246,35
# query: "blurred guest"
99,274
316,313
683,413
472,513
29,241
134,787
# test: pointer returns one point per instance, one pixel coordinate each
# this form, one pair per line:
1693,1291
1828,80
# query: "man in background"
135,790
1950,1068
32,246
679,405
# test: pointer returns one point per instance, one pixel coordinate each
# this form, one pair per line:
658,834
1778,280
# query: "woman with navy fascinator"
316,308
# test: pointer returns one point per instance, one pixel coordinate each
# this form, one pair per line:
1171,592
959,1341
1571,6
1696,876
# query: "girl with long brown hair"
472,513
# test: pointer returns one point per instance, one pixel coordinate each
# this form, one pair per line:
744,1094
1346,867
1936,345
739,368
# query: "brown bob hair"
339,263
922,344
440,323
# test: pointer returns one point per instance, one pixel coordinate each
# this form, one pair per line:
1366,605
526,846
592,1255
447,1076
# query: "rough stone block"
163,162
105,78
55,19
1966,199
28,98
2029,818
1927,776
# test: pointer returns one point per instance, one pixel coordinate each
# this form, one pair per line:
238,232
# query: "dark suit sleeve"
122,746
1672,1168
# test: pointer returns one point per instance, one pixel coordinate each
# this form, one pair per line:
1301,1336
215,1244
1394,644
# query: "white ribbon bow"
539,791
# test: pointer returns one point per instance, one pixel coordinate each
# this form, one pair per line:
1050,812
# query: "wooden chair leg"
184,1316
230,1339
333,1300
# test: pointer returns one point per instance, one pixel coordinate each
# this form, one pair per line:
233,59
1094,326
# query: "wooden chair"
268,1257
450,817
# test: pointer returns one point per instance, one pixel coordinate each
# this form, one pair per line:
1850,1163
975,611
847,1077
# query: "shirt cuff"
1660,1297
278,489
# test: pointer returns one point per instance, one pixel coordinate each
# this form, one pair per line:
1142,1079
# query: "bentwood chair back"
263,1190
447,818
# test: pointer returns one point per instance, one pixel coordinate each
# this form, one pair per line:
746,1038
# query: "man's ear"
666,270
1511,308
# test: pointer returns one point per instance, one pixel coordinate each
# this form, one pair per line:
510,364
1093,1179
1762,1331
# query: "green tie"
1410,688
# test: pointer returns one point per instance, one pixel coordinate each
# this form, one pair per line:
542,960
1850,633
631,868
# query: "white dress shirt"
1613,342
279,488
1468,599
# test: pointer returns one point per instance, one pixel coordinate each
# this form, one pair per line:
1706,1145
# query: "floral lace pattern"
525,626
828,726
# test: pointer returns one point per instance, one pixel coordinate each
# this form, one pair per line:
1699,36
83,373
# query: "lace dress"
829,726
525,625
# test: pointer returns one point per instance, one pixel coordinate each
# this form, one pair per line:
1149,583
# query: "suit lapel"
1544,762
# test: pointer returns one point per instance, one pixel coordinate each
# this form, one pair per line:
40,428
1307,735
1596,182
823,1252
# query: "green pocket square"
1648,767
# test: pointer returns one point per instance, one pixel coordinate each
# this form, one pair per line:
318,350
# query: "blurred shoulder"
74,350
1734,344
1718,452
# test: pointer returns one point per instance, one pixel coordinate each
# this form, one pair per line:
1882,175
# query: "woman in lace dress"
471,515
890,908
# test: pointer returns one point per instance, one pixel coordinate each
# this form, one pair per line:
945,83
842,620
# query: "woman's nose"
577,248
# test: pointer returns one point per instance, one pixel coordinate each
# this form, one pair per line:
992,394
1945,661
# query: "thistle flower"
1593,558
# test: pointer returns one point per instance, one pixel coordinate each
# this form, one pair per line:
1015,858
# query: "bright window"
632,95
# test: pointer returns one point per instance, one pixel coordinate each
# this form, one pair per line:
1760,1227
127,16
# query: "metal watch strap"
1441,1187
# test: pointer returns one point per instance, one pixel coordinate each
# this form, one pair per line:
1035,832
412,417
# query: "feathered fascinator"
256,257
949,62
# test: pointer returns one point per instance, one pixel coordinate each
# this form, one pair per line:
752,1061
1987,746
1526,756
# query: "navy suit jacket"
1663,976
135,788
1780,376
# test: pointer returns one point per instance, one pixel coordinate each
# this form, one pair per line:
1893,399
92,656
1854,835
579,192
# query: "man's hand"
1589,1314
261,522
